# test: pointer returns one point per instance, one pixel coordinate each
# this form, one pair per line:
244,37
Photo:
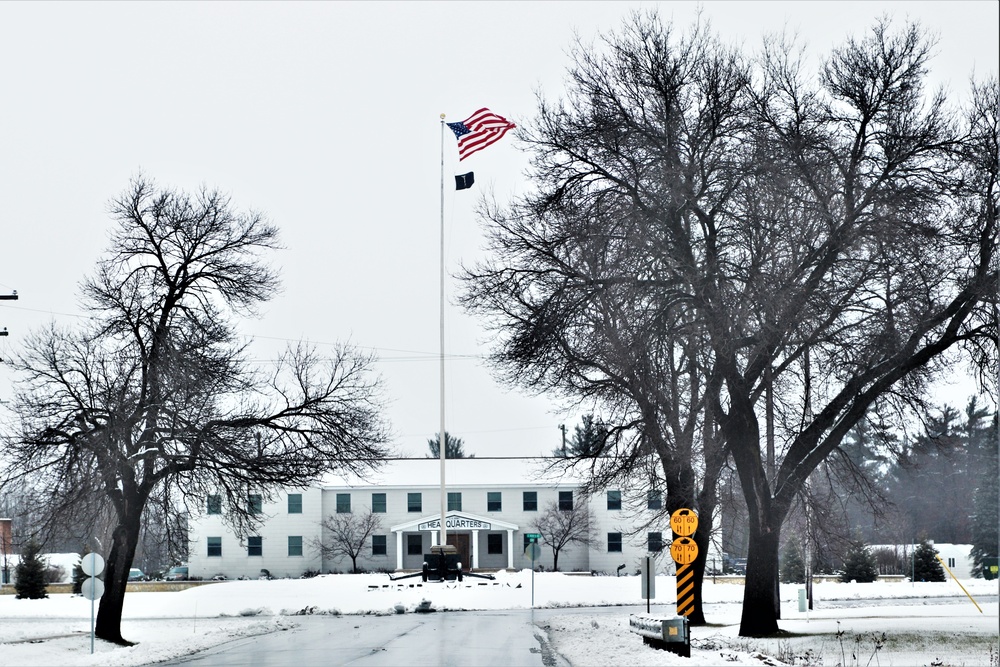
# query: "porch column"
475,549
510,549
399,549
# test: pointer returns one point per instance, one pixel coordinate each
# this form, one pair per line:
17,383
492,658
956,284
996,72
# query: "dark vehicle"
178,573
135,574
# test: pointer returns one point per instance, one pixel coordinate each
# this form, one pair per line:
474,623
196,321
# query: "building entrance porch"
463,531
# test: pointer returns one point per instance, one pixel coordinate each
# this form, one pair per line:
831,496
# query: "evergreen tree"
588,439
859,564
792,565
985,502
30,573
78,575
926,566
454,447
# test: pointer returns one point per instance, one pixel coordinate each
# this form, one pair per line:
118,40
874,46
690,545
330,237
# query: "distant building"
958,557
492,506
6,550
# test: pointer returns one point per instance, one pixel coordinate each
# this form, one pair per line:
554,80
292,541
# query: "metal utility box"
671,633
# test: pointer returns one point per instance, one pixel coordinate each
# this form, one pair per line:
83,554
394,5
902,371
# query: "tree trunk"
701,538
555,559
119,561
761,604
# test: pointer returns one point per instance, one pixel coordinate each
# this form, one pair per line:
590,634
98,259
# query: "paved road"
500,638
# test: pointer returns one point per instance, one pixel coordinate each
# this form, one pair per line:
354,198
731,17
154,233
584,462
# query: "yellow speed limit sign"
684,522
684,550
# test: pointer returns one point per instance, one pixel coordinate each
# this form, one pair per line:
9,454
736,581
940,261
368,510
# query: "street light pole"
7,297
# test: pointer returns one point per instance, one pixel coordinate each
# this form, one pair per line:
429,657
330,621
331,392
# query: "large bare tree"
730,242
583,283
155,401
857,261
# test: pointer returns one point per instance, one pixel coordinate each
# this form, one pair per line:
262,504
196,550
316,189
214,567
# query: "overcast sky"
325,116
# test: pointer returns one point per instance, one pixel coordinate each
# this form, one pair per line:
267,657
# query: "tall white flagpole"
442,439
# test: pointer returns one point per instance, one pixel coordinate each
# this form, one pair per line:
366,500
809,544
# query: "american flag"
479,131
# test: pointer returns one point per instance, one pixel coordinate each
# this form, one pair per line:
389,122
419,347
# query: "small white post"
93,568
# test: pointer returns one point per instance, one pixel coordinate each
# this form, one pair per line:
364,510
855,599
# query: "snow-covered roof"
485,471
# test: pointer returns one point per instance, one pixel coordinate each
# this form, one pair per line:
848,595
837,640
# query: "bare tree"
346,535
561,528
580,286
734,258
154,401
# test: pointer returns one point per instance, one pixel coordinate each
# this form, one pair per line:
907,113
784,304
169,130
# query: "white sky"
325,116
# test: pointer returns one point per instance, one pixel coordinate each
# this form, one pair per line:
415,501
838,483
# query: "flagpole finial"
442,116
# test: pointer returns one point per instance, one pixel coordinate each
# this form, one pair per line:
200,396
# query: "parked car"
177,573
135,574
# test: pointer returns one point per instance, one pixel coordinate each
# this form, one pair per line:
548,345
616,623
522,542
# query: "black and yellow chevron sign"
684,551
685,589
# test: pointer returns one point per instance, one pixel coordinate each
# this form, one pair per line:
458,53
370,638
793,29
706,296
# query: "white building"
492,505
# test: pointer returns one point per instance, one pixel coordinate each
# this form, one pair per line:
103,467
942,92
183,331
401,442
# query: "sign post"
92,588
648,572
533,551
684,551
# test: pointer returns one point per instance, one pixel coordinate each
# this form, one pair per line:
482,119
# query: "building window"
951,562
614,500
454,501
413,502
493,501
614,542
530,501
214,547
378,503
295,503
215,504
255,546
378,544
256,504
343,503
566,501
655,542
294,545
414,544
654,500
494,543
526,543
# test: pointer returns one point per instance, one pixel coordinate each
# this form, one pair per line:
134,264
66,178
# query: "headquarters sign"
455,522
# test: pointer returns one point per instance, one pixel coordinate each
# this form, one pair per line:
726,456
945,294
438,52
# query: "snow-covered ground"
924,623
